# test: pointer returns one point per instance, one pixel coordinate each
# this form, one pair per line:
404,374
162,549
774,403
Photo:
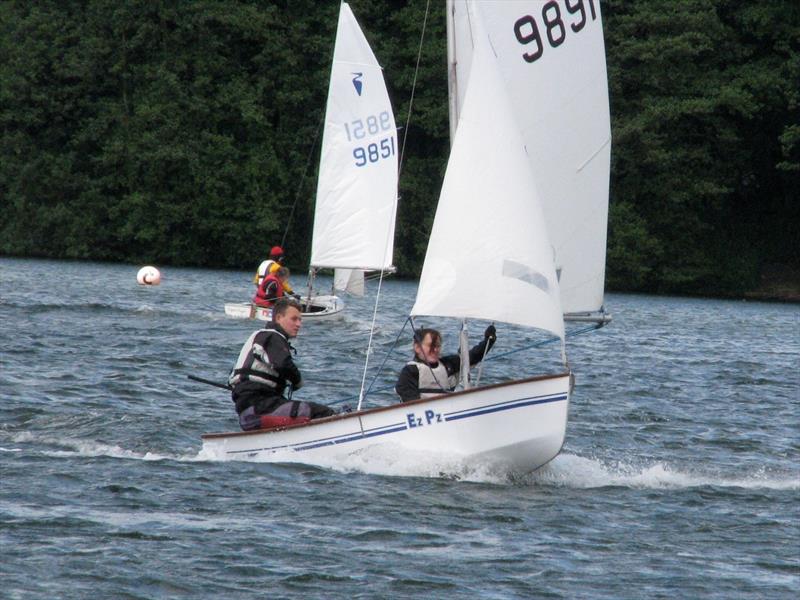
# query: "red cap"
276,251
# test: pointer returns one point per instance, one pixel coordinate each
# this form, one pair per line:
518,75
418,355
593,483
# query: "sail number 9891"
527,28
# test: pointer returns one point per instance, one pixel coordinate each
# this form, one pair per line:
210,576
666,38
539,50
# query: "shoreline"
779,282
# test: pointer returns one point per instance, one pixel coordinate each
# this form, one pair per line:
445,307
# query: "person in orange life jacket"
271,289
270,267
429,374
265,369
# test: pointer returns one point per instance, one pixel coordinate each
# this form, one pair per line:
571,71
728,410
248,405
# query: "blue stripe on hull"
485,410
398,427
351,438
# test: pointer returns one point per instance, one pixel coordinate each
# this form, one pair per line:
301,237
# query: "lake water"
679,478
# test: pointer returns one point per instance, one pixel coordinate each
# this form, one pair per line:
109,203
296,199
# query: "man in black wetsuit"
265,369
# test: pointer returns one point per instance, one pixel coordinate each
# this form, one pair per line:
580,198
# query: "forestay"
357,187
552,59
488,255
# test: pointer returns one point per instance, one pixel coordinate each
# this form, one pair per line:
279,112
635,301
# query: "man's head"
276,254
282,273
288,314
427,345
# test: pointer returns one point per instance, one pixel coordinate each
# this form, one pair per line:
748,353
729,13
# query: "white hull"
518,426
321,307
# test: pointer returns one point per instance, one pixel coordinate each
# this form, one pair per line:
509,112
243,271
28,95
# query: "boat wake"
569,470
566,470
70,448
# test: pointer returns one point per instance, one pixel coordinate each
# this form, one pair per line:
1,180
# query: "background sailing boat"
356,201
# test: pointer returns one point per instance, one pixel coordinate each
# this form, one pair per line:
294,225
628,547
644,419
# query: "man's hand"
490,334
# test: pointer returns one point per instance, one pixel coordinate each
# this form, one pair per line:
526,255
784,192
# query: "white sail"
488,255
357,187
552,58
350,281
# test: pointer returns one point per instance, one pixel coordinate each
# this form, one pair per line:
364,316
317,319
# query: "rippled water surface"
679,477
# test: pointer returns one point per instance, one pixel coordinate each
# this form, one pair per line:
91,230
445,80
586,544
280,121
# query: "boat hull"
518,426
320,307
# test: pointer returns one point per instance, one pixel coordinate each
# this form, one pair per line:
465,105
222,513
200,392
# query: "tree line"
188,133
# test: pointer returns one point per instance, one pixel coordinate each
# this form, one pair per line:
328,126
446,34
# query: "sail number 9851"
527,30
374,124
375,151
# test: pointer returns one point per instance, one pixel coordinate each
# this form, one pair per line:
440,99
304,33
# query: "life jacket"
254,365
261,298
434,381
264,269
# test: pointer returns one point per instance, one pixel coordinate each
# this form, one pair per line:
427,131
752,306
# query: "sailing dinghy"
520,424
318,307
356,201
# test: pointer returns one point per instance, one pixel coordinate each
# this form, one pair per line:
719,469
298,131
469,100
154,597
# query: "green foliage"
703,96
189,133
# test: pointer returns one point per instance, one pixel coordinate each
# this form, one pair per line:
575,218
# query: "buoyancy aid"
264,269
434,381
264,299
254,364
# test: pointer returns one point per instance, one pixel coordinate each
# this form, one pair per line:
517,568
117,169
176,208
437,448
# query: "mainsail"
357,187
552,58
488,255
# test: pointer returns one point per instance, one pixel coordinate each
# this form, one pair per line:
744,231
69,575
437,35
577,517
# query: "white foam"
566,470
397,461
90,448
569,470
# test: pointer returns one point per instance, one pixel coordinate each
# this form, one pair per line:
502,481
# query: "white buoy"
148,276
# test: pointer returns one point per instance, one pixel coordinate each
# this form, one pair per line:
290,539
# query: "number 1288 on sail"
374,151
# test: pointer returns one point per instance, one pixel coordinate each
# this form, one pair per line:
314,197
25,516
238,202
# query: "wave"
106,308
70,448
566,470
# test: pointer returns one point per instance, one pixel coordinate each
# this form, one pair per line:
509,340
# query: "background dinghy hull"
321,307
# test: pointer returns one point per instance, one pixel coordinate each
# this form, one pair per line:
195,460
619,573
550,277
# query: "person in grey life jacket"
429,374
265,369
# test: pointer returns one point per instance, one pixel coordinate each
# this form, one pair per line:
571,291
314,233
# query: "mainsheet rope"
490,358
362,393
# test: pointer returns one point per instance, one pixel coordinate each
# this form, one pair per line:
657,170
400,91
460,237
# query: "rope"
491,357
413,88
543,342
388,354
302,181
361,393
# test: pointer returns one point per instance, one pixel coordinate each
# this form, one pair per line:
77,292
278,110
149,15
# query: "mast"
452,73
